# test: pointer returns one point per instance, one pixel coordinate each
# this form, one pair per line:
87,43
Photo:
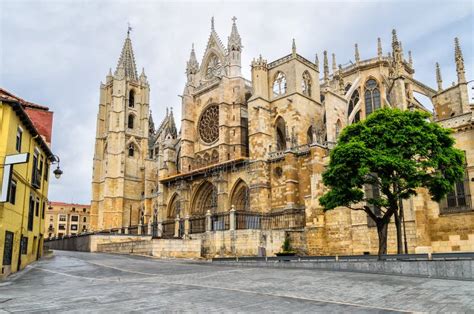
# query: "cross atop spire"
127,59
129,29
234,42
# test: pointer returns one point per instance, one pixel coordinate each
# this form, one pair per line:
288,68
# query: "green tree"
396,152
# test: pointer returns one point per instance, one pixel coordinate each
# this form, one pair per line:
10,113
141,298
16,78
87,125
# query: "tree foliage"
397,152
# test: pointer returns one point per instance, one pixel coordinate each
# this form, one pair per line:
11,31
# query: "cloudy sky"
56,53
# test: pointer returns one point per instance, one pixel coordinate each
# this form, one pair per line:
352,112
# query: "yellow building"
66,219
25,128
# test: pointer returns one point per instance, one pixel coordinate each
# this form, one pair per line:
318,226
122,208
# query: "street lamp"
57,172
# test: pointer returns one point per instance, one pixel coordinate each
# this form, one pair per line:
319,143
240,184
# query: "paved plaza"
90,282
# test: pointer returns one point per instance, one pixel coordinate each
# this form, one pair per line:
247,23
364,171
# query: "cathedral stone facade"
245,169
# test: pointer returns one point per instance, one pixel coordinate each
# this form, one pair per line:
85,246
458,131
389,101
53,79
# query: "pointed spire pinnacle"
192,65
394,37
326,66
379,48
293,48
212,24
410,59
439,79
401,48
127,60
341,81
334,67
356,53
316,61
397,55
151,124
110,72
234,42
458,58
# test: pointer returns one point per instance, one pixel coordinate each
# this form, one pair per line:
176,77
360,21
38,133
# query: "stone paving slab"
91,282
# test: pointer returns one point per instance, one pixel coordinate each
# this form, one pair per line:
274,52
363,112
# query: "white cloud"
56,53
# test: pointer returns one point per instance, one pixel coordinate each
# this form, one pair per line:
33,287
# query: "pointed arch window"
280,134
371,96
306,84
353,102
131,120
131,150
279,84
213,67
131,99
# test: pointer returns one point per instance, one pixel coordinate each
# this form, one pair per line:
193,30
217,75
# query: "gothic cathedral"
243,172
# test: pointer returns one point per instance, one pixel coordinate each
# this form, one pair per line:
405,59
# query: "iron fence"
284,220
168,228
197,224
248,220
220,221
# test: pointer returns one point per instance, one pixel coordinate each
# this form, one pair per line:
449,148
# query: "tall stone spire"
127,59
458,58
334,66
192,65
379,48
396,54
356,53
234,42
316,61
234,51
326,66
341,81
293,48
439,80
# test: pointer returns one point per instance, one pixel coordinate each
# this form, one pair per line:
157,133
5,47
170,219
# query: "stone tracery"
209,124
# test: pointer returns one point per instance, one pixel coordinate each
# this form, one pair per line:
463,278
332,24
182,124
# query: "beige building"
66,219
245,167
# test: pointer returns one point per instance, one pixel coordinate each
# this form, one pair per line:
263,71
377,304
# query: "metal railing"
197,224
220,221
352,258
292,219
168,228
247,220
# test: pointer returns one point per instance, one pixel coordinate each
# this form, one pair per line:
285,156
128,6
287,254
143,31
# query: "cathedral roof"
127,60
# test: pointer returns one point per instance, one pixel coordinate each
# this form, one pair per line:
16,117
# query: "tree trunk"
398,225
382,228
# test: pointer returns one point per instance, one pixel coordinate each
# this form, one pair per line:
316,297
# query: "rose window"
209,124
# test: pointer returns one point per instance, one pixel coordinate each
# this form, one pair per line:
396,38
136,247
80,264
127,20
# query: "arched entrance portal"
240,196
205,199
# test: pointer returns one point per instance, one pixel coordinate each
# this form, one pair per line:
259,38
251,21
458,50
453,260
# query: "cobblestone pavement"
92,282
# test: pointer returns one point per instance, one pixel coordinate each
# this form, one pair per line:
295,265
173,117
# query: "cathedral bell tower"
121,146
